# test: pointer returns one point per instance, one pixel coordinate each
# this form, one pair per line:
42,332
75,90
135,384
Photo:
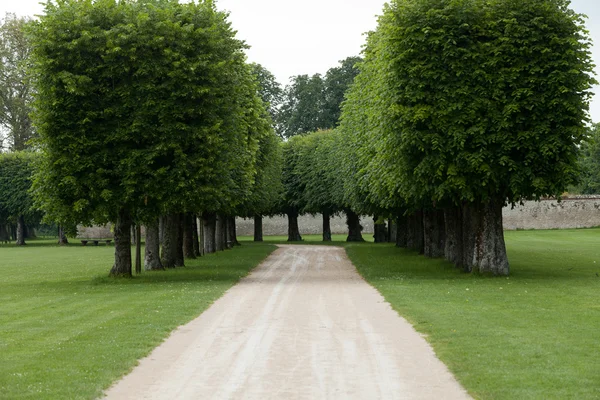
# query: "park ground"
68,331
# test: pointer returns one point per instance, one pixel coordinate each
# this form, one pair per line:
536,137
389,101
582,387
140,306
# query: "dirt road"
303,325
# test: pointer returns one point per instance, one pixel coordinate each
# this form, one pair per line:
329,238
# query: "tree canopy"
15,87
142,108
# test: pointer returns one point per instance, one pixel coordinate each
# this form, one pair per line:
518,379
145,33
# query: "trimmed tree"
136,109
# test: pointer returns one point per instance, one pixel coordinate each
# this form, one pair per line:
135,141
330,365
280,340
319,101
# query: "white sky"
306,37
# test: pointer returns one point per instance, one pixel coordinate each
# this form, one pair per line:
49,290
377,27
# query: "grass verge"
534,335
67,331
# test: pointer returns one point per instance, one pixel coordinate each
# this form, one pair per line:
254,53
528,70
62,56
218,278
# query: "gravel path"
303,325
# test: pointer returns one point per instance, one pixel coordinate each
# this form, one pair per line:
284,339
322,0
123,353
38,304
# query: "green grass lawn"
534,335
67,331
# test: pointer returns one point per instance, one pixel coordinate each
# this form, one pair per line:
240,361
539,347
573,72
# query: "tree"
589,162
138,111
292,200
270,90
16,203
336,83
487,101
15,86
312,103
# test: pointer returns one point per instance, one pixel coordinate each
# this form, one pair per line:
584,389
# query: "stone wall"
577,212
308,225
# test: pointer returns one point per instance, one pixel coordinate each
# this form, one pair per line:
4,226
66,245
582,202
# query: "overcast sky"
306,37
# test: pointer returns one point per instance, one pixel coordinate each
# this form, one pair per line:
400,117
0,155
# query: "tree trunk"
401,231
20,231
354,227
258,229
379,230
133,234
293,230
151,253
209,223
62,238
326,227
161,229
414,232
434,233
179,259
485,250
392,230
233,232
188,236
122,266
195,238
4,236
220,233
454,239
200,225
138,249
169,240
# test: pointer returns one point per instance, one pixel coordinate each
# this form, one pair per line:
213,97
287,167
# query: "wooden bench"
95,242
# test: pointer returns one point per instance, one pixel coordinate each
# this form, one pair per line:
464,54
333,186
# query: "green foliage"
143,106
312,103
589,162
469,100
270,90
267,190
318,171
16,170
69,332
292,199
15,86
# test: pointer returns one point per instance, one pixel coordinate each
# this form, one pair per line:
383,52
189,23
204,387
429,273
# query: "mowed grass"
67,331
533,335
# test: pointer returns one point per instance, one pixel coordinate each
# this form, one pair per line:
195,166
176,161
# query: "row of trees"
146,109
461,107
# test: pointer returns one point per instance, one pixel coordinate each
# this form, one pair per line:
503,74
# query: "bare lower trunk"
188,236
195,238
179,259
392,233
161,229
232,229
379,230
169,240
138,249
258,228
401,231
62,238
151,252
326,227
20,231
354,227
209,223
200,225
434,233
293,230
122,266
486,251
4,236
454,239
414,232
220,233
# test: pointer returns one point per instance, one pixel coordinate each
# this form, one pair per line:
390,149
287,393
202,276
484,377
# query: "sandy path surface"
303,325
